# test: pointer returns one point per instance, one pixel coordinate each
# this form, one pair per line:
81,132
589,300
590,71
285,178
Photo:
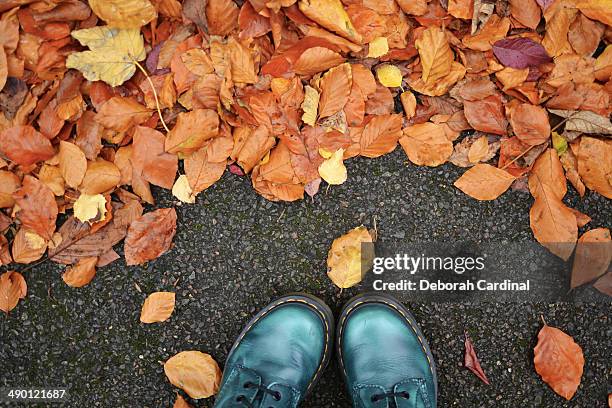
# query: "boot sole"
372,297
324,312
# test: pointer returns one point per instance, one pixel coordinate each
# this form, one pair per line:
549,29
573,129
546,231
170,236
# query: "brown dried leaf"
122,114
150,160
201,172
436,55
486,115
593,256
150,236
594,164
9,183
37,207
28,247
25,146
380,135
530,124
100,177
222,16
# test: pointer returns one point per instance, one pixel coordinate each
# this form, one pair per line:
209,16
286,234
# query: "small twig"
543,321
281,215
154,94
518,157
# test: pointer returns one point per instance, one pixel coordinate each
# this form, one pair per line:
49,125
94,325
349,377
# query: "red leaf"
471,361
520,52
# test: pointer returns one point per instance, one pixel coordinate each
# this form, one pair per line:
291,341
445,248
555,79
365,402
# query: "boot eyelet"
277,396
240,398
247,385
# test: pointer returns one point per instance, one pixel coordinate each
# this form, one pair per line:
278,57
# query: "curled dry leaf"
484,182
310,105
12,288
194,372
182,190
150,236
559,361
90,208
81,273
426,144
409,103
593,256
470,361
350,257
333,170
157,307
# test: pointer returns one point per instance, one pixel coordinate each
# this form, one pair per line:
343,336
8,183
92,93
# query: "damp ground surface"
235,252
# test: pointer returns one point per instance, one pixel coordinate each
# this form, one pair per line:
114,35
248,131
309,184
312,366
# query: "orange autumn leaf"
530,124
72,164
222,16
426,144
28,247
201,171
37,207
100,177
380,135
192,130
486,115
12,288
122,114
593,256
478,150
180,401
331,15
559,361
335,89
461,8
526,12
157,307
194,372
24,145
436,55
150,236
81,273
594,166
484,182
9,183
495,29
150,160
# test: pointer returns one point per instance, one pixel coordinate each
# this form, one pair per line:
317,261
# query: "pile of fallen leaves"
104,98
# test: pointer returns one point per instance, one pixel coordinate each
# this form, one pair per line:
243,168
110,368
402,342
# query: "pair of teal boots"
281,354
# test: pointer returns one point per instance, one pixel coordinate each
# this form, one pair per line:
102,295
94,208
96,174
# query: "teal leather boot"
279,356
383,355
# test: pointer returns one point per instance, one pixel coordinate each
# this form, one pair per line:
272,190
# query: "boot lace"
389,395
246,403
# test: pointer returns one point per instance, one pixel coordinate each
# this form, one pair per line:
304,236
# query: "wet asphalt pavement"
234,252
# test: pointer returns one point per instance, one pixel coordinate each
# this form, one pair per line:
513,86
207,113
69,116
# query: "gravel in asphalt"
235,252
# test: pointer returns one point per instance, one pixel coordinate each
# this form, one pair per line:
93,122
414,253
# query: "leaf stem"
154,94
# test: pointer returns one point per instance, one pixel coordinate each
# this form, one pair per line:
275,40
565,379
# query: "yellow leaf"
344,260
124,13
112,54
182,190
194,372
436,55
389,75
378,47
34,240
157,307
310,105
326,154
90,208
331,15
332,170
